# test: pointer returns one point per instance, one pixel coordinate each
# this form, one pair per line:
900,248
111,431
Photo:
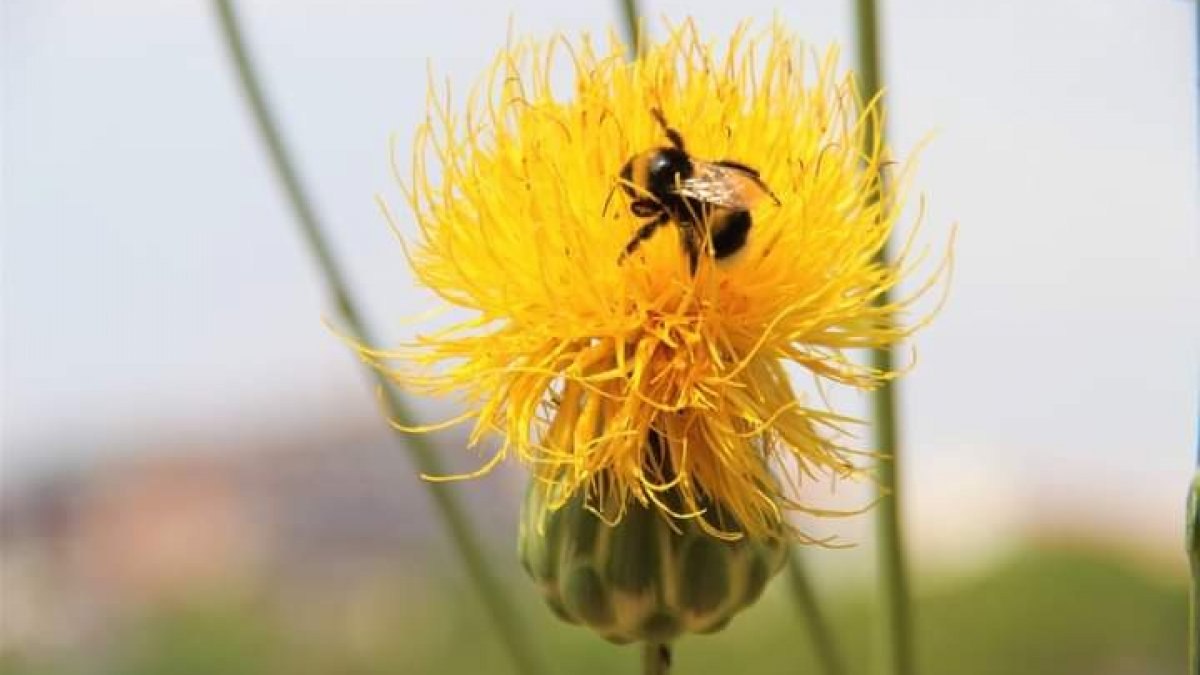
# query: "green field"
1064,612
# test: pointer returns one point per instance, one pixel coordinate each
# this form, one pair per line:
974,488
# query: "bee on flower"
640,258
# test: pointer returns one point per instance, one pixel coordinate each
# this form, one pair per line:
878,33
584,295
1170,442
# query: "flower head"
635,378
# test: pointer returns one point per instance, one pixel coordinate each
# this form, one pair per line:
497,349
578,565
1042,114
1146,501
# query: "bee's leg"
691,246
645,208
643,233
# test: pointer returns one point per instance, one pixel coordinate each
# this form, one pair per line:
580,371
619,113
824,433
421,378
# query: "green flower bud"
640,579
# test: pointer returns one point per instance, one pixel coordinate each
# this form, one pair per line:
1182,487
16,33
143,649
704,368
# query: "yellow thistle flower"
578,357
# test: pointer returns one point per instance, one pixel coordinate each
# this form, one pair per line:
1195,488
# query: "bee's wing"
725,184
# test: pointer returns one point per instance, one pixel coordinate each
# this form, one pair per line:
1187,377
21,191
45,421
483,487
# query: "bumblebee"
667,184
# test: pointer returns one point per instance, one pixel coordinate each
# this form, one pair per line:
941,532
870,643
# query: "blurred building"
315,521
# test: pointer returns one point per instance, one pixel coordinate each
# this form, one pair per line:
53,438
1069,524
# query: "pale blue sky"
154,289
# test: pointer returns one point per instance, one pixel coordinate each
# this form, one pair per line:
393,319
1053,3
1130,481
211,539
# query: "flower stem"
897,606
629,14
1193,551
656,658
893,564
457,523
1192,536
818,624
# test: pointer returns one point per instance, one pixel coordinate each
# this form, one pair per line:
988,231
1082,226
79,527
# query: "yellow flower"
631,378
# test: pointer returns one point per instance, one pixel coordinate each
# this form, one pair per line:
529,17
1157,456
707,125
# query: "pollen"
636,379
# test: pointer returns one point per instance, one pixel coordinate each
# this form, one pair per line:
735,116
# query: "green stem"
806,601
893,563
895,596
1192,535
462,533
656,658
629,15
1193,550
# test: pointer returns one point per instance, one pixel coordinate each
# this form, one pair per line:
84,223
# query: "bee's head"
665,167
655,172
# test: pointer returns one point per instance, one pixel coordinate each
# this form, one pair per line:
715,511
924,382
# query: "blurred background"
196,477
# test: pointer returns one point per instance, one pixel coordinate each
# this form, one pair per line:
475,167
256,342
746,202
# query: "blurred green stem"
1193,503
1193,549
818,624
458,525
893,566
656,658
629,13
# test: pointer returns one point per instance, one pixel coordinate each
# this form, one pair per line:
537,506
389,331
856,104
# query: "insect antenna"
608,199
672,135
